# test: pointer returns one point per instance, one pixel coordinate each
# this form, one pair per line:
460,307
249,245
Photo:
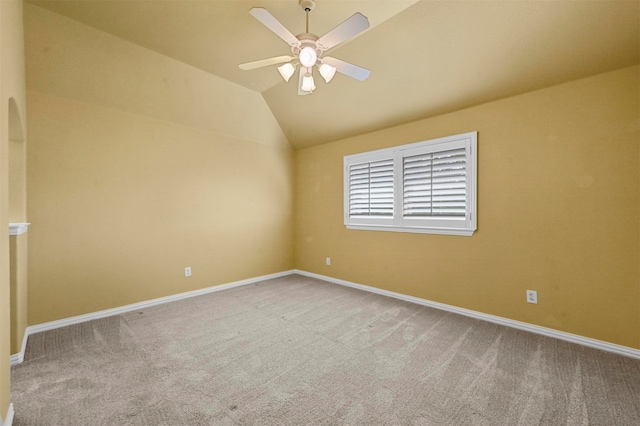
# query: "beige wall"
12,122
557,212
139,166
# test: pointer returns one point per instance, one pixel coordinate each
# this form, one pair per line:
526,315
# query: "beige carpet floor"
297,351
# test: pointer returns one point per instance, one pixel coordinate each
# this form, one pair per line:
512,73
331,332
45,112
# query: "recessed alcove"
17,227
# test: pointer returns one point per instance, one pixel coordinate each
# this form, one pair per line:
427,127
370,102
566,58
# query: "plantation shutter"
424,187
435,184
371,189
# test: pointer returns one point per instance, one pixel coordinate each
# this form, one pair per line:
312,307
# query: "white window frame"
449,225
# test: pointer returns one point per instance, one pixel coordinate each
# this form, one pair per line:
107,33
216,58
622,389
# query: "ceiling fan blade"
349,28
265,62
348,69
303,71
274,25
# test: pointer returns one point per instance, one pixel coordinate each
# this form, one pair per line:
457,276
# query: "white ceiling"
426,57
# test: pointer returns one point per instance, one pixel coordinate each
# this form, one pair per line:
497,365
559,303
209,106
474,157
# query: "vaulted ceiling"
426,57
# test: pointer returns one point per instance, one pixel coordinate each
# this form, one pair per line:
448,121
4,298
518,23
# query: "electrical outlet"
532,296
328,261
187,271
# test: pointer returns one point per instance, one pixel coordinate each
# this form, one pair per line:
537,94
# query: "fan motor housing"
306,39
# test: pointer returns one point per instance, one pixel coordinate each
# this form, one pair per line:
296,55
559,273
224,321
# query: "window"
424,187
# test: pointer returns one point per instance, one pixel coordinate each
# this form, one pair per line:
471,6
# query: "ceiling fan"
307,49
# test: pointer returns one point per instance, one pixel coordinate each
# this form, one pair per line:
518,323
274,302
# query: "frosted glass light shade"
308,85
286,71
308,56
327,72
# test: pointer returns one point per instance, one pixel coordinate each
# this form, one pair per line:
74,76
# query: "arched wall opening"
17,166
17,159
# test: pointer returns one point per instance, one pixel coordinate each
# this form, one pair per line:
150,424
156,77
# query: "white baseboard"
33,329
19,357
561,335
9,420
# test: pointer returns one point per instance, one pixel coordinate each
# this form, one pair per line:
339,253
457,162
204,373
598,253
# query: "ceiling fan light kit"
308,56
307,49
308,85
287,70
327,71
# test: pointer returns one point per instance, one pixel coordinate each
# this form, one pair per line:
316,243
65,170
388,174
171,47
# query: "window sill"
440,231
